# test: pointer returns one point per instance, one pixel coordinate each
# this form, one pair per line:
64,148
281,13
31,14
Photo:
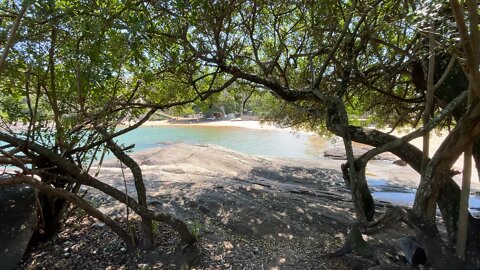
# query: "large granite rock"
338,152
18,219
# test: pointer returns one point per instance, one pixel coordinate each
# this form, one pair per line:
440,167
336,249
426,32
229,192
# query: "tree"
320,59
72,72
323,57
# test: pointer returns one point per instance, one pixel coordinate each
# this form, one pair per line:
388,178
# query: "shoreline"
251,124
375,169
401,175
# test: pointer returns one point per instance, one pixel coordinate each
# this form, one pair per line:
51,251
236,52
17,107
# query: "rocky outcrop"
339,153
18,219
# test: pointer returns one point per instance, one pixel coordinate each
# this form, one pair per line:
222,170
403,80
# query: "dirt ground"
247,212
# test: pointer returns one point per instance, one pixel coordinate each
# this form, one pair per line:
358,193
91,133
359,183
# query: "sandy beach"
220,123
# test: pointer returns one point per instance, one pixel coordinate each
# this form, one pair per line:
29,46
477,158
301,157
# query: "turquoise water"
259,142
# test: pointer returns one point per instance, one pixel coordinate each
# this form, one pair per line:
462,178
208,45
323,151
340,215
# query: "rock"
227,245
98,225
18,220
251,216
400,162
414,254
338,153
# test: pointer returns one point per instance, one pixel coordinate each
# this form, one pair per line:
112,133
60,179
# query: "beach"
253,124
381,169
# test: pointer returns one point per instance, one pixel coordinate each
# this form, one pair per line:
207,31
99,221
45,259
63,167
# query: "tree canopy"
71,71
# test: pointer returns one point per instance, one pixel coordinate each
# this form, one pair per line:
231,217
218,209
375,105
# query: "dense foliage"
71,71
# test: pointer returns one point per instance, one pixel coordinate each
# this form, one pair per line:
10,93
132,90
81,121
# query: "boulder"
338,153
18,219
400,162
413,252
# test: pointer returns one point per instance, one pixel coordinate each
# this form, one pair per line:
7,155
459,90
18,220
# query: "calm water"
259,142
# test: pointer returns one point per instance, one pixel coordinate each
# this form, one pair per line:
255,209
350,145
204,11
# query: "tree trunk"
53,210
361,196
448,200
13,34
455,143
353,176
437,253
244,101
146,225
464,197
476,155
429,95
450,191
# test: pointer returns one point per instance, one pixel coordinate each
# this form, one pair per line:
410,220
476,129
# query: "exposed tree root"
436,251
354,244
393,215
359,249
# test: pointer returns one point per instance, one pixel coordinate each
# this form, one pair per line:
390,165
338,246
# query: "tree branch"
73,198
13,34
417,133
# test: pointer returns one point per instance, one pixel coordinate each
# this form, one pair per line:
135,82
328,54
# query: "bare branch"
13,34
123,131
417,133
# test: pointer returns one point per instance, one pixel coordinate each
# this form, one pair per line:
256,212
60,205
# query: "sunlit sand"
218,123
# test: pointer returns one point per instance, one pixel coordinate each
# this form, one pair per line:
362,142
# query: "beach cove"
279,210
269,140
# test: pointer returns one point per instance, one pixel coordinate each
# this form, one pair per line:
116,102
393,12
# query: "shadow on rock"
18,219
